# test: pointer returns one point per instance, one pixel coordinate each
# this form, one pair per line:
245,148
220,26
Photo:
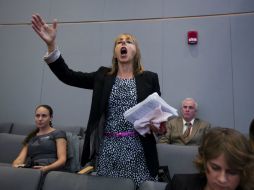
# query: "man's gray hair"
191,99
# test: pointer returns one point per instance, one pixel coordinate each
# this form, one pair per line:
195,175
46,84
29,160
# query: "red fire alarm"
192,37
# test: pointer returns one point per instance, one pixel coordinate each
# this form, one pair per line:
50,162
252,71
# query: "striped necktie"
187,131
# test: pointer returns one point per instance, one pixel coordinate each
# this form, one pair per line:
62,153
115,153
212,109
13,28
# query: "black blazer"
188,182
101,83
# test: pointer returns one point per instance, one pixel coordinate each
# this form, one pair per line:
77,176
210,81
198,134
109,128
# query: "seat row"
24,129
177,158
29,179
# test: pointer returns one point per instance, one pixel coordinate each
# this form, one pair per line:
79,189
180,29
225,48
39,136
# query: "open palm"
45,31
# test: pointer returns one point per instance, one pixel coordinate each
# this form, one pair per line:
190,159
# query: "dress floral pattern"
122,156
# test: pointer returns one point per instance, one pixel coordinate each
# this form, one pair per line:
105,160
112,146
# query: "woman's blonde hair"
236,149
137,65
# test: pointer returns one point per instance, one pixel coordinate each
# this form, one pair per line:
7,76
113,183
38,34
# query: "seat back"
152,185
19,178
6,127
73,152
72,181
22,129
78,130
10,146
178,158
25,129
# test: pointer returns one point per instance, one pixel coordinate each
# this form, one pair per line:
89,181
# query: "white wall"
217,72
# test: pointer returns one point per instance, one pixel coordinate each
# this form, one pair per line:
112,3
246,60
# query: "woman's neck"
125,71
45,130
207,187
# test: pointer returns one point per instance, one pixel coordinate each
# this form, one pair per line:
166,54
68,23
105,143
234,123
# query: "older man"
185,129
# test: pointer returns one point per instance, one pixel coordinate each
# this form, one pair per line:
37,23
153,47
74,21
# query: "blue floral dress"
122,156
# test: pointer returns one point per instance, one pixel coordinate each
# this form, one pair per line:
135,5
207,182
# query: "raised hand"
46,32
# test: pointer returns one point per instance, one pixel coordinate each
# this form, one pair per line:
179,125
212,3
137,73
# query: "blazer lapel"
108,83
180,126
195,128
139,83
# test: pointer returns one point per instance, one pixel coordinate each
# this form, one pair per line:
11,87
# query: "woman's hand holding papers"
159,131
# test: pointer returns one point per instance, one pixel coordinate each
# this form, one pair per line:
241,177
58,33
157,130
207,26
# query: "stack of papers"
153,110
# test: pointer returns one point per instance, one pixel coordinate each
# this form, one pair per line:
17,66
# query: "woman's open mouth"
123,51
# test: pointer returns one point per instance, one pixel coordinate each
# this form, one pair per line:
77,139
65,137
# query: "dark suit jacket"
101,83
175,132
188,182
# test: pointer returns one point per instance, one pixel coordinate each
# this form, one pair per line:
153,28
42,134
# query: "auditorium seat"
10,146
178,158
6,127
22,129
19,178
78,130
57,180
151,185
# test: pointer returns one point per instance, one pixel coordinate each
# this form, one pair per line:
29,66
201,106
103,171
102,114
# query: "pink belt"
121,134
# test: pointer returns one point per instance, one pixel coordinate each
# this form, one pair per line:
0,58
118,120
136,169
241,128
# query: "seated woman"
45,147
225,161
